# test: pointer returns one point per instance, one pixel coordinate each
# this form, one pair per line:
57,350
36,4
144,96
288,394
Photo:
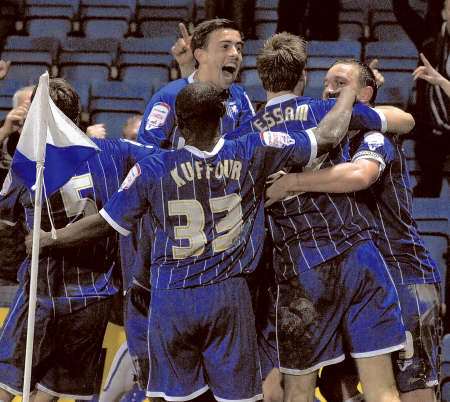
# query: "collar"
280,99
190,79
206,154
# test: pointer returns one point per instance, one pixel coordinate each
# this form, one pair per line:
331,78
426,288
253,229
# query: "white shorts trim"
41,387
177,398
10,390
378,352
313,368
252,399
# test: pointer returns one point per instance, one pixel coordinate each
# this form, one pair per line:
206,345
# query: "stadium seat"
389,31
250,77
256,94
253,46
350,31
322,54
83,89
397,88
408,149
7,90
445,391
161,17
50,17
32,44
113,121
27,66
146,57
82,57
394,56
264,29
106,21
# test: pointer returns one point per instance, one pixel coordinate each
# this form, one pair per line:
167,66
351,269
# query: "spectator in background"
4,68
131,127
241,12
432,135
431,75
11,127
309,19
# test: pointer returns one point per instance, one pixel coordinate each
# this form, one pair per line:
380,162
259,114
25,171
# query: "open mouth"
229,69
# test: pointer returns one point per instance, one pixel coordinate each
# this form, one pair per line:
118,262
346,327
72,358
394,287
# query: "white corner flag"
50,149
49,135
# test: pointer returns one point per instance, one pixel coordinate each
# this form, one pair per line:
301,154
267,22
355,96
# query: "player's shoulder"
158,164
237,89
172,89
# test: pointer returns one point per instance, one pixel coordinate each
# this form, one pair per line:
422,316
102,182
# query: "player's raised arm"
332,129
181,51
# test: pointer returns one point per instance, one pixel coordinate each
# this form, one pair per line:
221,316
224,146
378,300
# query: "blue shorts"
417,365
347,302
204,338
67,348
136,317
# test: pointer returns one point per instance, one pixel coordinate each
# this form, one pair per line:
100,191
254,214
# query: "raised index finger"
184,32
425,60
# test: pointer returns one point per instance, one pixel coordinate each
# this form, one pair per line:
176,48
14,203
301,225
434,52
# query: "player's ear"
200,55
365,94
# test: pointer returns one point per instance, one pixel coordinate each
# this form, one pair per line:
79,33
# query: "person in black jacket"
432,133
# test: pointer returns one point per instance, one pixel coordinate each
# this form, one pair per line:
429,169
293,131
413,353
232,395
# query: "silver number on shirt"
193,231
74,203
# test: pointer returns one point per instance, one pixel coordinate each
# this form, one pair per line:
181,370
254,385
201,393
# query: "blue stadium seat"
350,31
265,29
253,46
256,93
389,31
250,77
445,392
82,58
27,66
394,56
146,57
50,17
120,90
7,90
408,149
32,44
321,54
106,18
113,121
161,17
83,89
314,91
397,88
267,4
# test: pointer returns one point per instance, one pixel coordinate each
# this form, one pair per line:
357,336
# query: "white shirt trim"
113,223
190,79
313,140
206,154
8,223
280,99
378,352
383,120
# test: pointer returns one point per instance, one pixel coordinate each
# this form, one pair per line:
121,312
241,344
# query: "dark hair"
281,62
366,75
65,97
199,105
200,37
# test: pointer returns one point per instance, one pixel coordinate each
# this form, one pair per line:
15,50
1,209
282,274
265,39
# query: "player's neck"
271,95
204,142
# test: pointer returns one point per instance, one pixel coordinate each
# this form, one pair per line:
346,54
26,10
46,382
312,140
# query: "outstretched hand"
427,72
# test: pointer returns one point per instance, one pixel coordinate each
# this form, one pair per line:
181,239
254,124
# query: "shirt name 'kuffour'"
187,172
278,115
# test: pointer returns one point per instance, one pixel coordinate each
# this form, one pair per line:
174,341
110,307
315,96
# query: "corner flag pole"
38,114
33,281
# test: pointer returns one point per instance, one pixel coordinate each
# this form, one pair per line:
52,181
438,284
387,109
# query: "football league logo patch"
276,139
374,140
132,175
158,115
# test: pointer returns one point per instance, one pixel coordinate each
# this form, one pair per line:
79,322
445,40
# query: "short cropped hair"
366,75
200,37
198,105
281,62
65,97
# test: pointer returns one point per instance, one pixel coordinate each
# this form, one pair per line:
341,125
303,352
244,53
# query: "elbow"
410,122
359,181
